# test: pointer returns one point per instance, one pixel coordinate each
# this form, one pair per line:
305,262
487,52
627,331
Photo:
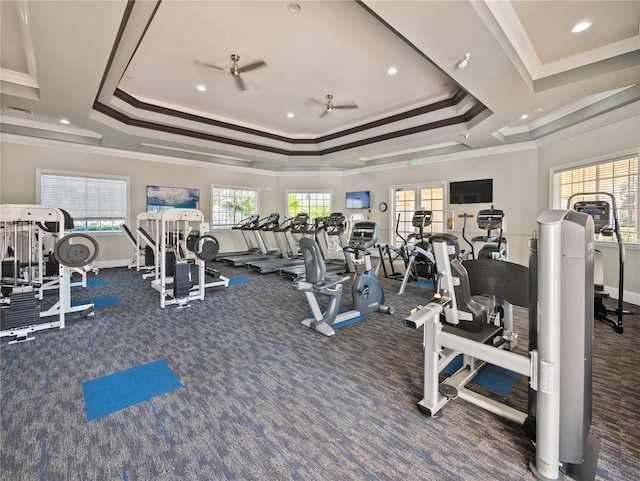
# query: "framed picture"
160,198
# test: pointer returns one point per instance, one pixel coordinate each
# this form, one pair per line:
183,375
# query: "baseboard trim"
628,296
112,263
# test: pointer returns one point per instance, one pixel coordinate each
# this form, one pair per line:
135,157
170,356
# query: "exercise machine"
333,240
390,253
147,244
266,224
251,237
288,232
559,364
334,228
23,228
417,257
420,259
491,246
367,294
601,212
182,246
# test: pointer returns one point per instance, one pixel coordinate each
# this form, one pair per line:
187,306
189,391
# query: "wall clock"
383,207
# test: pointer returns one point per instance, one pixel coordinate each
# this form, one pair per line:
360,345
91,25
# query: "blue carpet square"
114,392
105,301
91,283
493,378
234,281
428,284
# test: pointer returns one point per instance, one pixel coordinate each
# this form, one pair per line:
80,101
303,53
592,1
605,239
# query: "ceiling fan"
329,106
235,69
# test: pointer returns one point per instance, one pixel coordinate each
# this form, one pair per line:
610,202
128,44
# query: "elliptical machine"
494,246
417,257
366,291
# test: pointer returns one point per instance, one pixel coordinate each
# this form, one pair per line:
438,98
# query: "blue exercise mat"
123,389
234,281
105,301
493,378
92,283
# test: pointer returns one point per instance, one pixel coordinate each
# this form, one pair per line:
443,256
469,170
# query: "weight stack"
23,310
8,271
181,281
149,257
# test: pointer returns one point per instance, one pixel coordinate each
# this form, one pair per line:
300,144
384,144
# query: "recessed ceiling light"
64,121
580,27
392,71
290,115
294,7
524,116
201,88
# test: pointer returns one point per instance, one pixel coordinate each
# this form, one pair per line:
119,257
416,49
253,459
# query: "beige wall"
514,190
617,138
520,183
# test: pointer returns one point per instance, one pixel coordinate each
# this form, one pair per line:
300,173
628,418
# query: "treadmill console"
336,223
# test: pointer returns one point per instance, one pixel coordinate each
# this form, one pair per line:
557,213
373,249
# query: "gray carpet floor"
265,398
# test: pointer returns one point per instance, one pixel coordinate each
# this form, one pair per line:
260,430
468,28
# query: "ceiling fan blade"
325,112
253,66
209,65
240,82
317,102
345,106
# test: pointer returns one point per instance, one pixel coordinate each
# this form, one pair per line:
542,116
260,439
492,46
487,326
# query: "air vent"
18,110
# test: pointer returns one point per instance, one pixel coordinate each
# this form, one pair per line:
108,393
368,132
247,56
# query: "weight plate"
76,250
207,248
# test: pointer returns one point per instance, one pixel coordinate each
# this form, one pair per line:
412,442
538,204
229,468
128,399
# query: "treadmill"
245,225
298,225
266,224
295,272
334,225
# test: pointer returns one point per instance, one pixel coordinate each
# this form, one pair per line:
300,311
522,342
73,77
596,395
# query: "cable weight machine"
180,247
23,228
559,364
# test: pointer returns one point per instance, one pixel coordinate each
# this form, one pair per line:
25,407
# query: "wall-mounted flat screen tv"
471,192
358,200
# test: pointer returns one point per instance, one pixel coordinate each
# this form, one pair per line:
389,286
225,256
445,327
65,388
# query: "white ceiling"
125,75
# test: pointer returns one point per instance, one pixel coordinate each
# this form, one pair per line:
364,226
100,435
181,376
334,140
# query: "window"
316,204
617,177
230,205
409,199
96,203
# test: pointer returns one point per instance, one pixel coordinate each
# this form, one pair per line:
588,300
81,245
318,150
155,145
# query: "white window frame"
234,188
307,191
554,199
87,175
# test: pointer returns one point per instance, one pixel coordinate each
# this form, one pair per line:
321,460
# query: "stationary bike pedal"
448,391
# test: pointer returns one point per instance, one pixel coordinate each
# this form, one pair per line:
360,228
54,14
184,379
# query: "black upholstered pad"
506,280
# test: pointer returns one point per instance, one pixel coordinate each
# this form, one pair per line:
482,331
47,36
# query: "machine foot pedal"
448,391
